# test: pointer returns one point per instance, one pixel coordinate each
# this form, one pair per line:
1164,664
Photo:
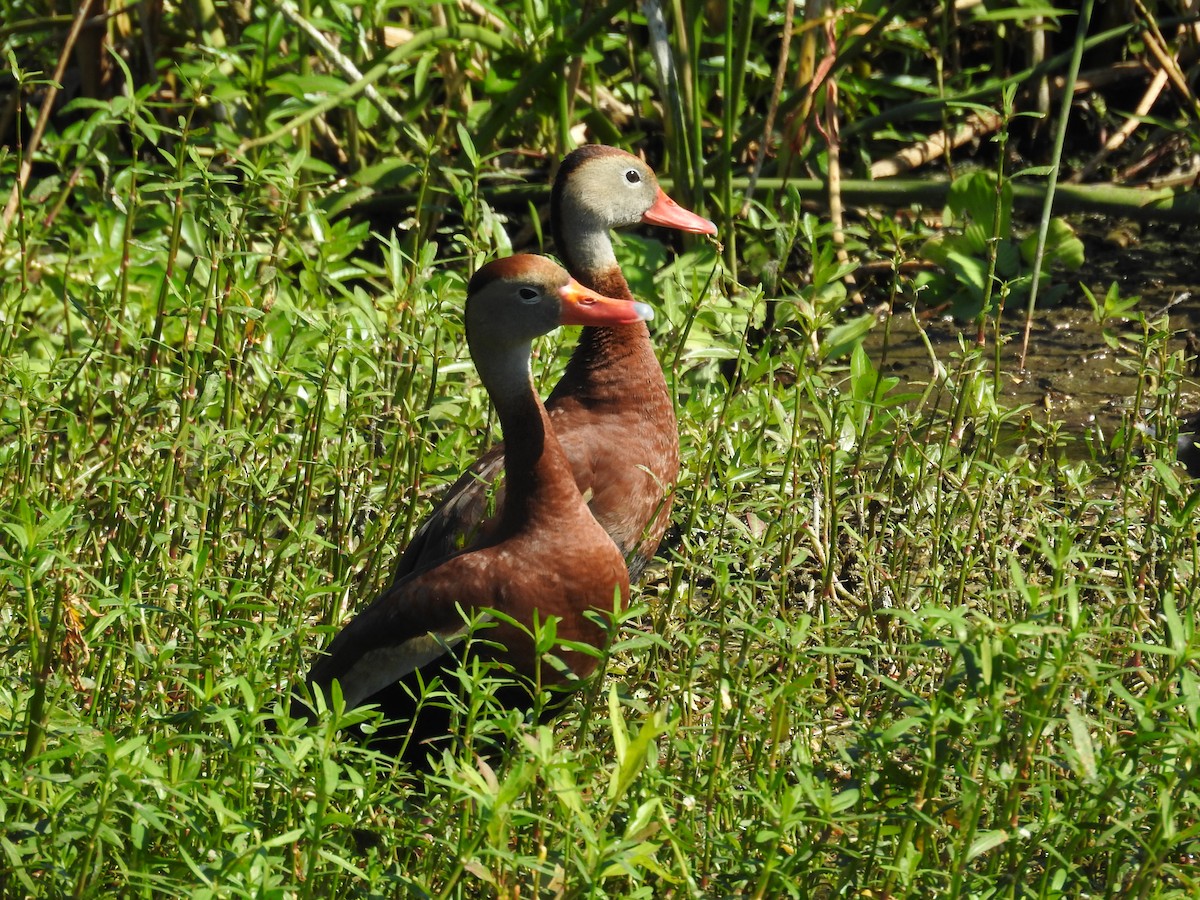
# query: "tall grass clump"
901,640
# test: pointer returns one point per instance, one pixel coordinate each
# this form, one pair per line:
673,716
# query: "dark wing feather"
462,516
404,629
409,638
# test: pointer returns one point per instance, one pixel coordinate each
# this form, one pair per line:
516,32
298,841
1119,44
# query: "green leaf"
1063,248
1081,741
975,197
633,759
989,840
1034,171
617,724
842,339
468,146
366,112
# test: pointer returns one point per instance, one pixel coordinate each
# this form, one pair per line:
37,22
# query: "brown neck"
612,365
609,365
538,479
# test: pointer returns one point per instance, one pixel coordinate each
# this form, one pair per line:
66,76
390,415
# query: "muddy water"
1070,372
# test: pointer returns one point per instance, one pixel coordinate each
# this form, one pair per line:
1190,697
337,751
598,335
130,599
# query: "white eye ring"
528,295
633,176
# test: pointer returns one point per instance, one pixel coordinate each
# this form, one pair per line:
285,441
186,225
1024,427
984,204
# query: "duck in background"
1186,449
611,411
544,556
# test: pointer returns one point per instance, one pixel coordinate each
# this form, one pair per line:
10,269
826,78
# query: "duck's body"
545,556
611,411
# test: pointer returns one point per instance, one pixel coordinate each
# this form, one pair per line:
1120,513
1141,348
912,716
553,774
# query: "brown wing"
610,468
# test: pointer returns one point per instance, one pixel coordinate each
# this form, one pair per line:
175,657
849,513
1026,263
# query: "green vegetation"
901,642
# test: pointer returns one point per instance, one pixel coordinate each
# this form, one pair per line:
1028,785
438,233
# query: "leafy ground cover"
901,640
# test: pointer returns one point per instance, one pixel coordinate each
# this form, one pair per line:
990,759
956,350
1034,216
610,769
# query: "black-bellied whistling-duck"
611,410
1186,447
547,555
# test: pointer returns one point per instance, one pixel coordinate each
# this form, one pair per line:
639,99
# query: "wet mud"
1071,373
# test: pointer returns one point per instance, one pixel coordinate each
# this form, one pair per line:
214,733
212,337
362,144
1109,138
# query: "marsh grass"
890,648
900,641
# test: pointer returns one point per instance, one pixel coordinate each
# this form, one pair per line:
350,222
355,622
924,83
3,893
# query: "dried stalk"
1157,45
483,14
809,76
833,151
1122,134
39,128
922,152
350,70
981,123
776,90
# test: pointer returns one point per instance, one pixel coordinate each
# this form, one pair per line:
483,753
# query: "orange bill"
669,214
583,306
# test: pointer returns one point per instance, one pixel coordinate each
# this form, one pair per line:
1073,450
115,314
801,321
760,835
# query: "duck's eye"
633,176
528,294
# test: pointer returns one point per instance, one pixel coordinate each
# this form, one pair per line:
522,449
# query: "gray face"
516,306
610,191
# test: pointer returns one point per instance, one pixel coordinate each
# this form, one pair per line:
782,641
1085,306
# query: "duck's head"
599,187
511,301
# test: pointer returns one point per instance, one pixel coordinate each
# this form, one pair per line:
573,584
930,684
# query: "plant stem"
1064,116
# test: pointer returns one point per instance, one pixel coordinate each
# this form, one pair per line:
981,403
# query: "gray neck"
530,472
583,241
507,378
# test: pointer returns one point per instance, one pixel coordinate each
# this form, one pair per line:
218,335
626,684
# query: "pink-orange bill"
669,214
583,306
